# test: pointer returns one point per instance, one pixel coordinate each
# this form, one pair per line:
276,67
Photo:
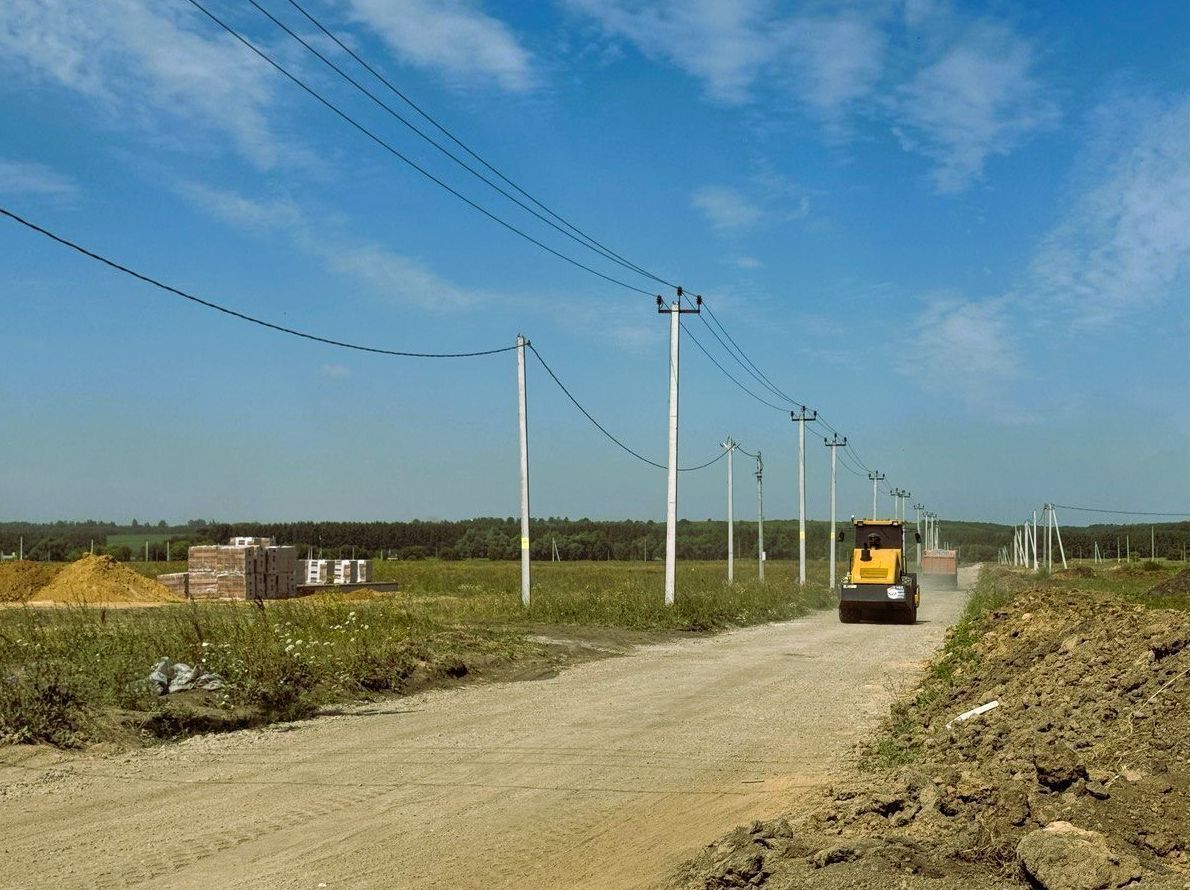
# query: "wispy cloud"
726,209
962,347
238,210
336,372
382,271
834,62
1124,244
453,38
980,99
144,62
31,178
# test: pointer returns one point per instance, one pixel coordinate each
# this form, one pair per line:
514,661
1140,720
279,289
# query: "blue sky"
960,231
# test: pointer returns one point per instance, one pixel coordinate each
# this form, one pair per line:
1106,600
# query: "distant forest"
576,539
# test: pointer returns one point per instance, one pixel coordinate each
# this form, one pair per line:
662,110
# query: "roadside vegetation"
76,674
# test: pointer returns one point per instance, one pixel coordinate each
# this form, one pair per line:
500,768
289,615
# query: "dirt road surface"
608,775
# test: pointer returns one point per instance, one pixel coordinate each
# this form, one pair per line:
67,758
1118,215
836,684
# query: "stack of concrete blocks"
363,571
177,583
315,571
344,571
242,571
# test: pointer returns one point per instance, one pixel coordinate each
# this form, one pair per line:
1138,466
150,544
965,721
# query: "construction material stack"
248,568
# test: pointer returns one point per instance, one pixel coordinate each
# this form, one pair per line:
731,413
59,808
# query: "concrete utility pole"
800,418
521,343
876,476
675,313
1049,539
1058,533
834,443
760,517
730,445
1036,563
917,508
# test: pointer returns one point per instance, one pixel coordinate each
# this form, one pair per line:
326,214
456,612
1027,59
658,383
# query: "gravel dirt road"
608,775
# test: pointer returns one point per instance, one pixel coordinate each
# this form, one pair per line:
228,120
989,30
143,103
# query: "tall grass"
64,669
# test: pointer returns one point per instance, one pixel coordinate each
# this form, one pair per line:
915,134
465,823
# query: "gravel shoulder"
610,774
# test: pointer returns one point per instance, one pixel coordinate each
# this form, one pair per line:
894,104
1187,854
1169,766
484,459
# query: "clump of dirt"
20,579
1075,572
1178,584
100,579
1079,778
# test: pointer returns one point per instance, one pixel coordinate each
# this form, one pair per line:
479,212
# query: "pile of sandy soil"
1178,584
1078,780
100,579
20,579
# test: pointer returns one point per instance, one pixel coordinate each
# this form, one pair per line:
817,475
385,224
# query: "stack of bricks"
242,572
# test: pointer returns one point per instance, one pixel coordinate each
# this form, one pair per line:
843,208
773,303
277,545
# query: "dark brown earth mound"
1078,779
1178,584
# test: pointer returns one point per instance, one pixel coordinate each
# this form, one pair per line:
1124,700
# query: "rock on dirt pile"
20,579
1078,780
100,579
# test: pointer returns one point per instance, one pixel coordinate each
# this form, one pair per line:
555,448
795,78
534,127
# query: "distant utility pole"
675,313
800,418
1036,564
730,445
917,508
876,476
834,443
904,496
760,517
521,343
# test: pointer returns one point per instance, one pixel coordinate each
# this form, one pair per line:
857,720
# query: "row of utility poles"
1025,550
675,311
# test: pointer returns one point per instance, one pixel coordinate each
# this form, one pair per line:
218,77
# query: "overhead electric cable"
235,313
398,154
1119,512
603,252
742,358
599,426
727,373
607,251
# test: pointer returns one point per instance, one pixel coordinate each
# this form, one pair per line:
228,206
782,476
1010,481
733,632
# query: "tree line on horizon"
498,538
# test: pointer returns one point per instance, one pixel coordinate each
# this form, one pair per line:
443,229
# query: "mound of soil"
1079,778
100,579
20,579
1178,584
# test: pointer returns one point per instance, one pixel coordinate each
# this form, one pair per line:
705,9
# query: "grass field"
78,673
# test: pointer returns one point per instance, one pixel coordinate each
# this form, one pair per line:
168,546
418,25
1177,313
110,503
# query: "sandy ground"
608,775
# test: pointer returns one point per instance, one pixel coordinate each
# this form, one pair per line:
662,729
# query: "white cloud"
240,211
152,63
1125,242
721,42
726,209
30,178
826,61
336,372
835,61
455,38
963,347
980,99
746,263
387,274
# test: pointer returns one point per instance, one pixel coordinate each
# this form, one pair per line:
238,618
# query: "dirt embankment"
100,580
20,579
1079,779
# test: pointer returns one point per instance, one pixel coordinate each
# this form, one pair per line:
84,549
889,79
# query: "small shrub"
40,702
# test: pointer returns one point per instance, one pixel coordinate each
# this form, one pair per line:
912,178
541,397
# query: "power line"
742,358
235,313
1119,512
599,426
397,153
727,373
451,136
603,252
